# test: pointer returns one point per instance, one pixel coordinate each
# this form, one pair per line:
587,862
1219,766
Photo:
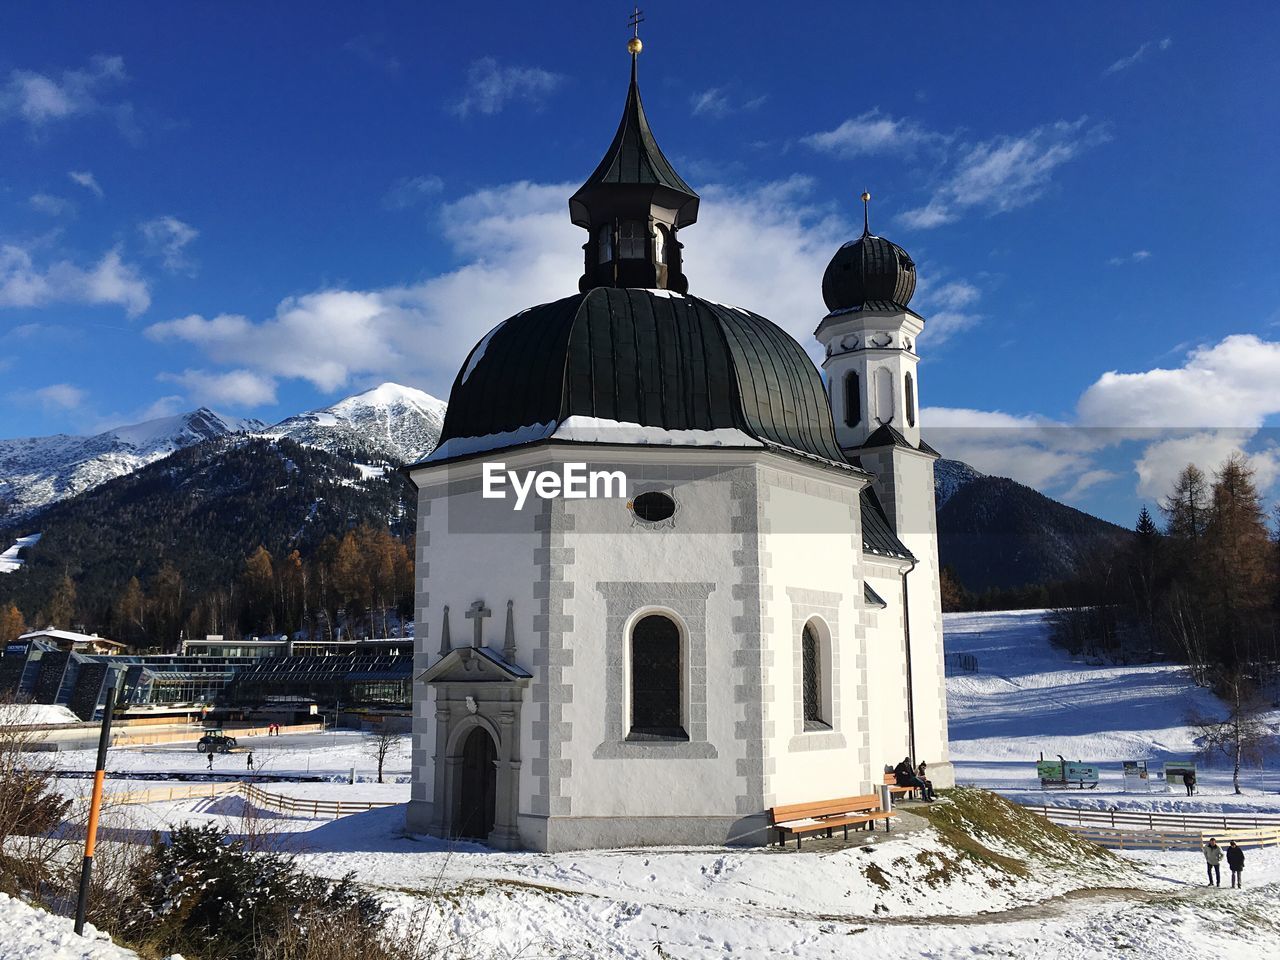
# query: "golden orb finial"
865,196
634,46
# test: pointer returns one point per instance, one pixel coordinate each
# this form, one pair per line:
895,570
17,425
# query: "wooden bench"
823,816
891,781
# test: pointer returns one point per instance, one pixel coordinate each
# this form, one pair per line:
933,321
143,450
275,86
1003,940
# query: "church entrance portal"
478,791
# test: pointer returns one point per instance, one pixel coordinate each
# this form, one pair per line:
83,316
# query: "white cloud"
874,132
1136,257
1005,172
167,238
86,180
232,388
374,49
715,102
1229,384
1038,452
60,396
490,87
710,102
1162,461
40,99
764,249
1158,420
1124,63
944,308
53,206
410,191
109,281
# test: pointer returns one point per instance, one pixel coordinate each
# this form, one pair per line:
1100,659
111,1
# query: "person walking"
1189,781
210,759
1213,860
249,760
1235,863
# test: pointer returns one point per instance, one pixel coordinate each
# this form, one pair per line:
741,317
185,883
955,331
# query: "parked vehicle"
216,743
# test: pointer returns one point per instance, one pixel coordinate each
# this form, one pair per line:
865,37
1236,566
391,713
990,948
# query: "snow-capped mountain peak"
390,422
38,471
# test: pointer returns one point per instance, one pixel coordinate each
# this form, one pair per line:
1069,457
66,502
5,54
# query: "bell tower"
634,205
870,340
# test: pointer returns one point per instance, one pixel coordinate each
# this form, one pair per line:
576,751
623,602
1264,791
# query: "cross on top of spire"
634,46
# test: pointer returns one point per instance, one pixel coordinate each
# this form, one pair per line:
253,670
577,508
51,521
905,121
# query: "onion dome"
869,270
638,367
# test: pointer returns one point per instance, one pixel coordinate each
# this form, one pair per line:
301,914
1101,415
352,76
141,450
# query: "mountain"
949,476
38,471
202,509
389,423
997,533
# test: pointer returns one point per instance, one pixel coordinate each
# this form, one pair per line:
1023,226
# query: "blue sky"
264,208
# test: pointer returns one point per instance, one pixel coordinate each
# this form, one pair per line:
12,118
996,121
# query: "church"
754,621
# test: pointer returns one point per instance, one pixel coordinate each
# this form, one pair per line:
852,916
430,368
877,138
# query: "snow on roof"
68,635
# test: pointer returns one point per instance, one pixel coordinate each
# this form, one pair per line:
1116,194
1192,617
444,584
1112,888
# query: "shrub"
204,896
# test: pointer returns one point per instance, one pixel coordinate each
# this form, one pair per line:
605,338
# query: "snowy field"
1029,698
905,894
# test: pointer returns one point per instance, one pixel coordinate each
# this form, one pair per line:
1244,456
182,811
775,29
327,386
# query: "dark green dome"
870,268
640,357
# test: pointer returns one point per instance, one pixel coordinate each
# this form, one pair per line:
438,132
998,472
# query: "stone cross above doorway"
478,612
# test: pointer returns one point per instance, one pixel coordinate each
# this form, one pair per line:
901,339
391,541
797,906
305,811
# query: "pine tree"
1238,569
129,614
257,583
61,609
1141,569
1186,509
166,603
12,624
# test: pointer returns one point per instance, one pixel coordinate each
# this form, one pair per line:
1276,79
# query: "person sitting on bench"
923,774
904,775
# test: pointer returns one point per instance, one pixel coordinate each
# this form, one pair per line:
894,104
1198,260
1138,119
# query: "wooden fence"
1153,819
297,806
1173,839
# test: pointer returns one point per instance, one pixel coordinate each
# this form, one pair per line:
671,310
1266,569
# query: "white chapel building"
757,622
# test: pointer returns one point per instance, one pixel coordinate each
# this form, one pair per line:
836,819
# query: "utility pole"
95,806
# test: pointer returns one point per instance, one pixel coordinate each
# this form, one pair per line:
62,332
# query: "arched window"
631,240
656,680
812,681
852,400
911,400
604,244
660,241
884,395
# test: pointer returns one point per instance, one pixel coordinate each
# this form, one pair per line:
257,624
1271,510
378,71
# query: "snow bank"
30,934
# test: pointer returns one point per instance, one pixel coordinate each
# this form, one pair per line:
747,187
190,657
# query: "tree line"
1202,588
359,584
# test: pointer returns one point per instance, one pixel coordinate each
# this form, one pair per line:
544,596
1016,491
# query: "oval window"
653,506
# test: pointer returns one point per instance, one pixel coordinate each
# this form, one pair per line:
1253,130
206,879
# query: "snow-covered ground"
30,934
9,559
1029,698
901,894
